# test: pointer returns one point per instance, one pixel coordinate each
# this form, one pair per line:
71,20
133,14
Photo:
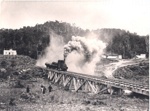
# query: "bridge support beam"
90,84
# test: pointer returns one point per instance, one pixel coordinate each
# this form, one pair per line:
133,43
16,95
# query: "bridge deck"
122,84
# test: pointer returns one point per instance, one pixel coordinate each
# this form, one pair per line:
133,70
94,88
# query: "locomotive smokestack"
65,57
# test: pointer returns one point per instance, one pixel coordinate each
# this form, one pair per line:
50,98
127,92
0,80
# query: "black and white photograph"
74,55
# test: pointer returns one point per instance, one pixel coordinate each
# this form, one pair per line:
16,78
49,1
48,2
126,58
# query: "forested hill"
29,40
124,43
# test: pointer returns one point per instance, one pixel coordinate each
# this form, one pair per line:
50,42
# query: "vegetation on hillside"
124,43
30,40
138,73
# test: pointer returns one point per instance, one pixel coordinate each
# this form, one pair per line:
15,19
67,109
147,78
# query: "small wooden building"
10,52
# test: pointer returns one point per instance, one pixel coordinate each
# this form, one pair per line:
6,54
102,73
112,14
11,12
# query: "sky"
131,15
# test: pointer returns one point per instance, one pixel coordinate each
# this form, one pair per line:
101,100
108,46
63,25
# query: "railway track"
94,81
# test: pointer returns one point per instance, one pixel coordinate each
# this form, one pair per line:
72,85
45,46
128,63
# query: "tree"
3,64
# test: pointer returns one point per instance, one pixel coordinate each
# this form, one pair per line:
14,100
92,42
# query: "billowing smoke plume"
53,52
83,53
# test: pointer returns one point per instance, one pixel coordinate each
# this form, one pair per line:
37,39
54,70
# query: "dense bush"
32,40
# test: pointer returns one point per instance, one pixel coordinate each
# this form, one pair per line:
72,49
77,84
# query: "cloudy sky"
132,15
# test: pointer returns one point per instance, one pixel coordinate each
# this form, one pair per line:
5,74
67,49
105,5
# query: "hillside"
13,87
131,70
138,72
30,40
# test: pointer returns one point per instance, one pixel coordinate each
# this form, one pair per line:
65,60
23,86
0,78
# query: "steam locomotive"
60,65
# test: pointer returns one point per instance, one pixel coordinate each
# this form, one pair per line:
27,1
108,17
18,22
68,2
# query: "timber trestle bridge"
93,84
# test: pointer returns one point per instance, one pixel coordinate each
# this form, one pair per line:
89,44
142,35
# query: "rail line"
90,83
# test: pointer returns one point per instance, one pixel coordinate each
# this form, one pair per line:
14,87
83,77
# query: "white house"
120,56
112,56
141,56
10,52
